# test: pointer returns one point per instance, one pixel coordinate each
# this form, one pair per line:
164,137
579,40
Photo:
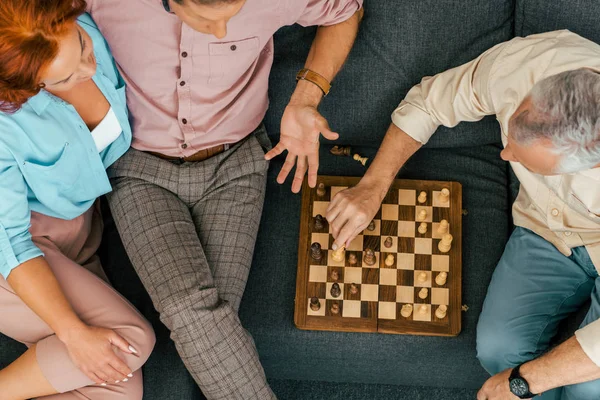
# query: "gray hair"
565,111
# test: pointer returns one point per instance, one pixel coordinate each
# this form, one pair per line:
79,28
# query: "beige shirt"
563,209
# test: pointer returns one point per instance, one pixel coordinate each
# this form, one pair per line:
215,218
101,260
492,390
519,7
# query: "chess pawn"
390,260
422,309
353,288
406,310
444,196
422,197
371,226
423,293
440,280
321,190
315,304
369,257
315,251
352,260
362,160
422,277
319,222
388,242
335,290
335,275
443,227
423,228
335,308
446,243
422,215
441,311
339,254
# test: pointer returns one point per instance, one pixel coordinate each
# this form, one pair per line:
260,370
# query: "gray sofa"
400,41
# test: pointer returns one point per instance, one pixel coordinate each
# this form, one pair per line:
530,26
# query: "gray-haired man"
545,92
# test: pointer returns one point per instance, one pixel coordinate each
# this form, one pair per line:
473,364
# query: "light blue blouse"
48,159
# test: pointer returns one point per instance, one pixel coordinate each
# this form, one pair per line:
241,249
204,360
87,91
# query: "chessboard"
400,275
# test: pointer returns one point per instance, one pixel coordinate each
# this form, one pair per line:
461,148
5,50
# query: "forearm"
35,283
566,364
327,55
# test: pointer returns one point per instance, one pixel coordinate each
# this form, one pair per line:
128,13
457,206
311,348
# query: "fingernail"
132,349
117,381
334,247
103,384
130,375
125,380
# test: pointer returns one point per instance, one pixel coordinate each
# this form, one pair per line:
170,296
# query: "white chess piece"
423,293
422,215
444,196
423,309
441,311
443,227
362,160
423,228
422,197
422,277
339,254
440,280
389,260
446,243
406,310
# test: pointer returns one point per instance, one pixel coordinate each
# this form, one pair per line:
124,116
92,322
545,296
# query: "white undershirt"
107,131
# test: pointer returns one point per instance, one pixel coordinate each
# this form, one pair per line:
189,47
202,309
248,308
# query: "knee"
142,338
583,391
499,348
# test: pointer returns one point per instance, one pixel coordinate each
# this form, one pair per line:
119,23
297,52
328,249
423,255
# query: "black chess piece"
335,290
388,242
369,257
335,275
319,222
371,226
315,304
335,308
315,251
353,288
352,260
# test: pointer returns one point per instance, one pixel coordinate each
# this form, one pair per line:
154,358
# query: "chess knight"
544,91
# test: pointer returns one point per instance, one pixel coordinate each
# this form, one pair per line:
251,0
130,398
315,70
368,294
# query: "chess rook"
423,228
335,290
444,196
441,311
423,293
352,260
406,310
321,189
319,222
422,197
388,242
446,243
369,257
335,308
353,288
315,304
440,280
315,251
339,254
390,260
422,215
443,227
335,275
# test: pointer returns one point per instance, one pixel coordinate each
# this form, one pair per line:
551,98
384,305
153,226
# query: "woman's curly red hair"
30,31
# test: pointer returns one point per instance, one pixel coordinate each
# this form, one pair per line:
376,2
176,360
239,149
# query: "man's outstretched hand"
301,128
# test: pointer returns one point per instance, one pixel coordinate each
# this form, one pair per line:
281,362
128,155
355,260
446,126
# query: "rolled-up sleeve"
16,245
589,339
459,94
320,12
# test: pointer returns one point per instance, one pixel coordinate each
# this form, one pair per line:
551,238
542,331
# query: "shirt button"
184,54
568,233
184,121
233,47
555,212
184,146
182,83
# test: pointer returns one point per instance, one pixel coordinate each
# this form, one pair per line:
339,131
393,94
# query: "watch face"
519,387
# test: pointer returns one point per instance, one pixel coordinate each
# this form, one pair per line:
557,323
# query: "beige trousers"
70,250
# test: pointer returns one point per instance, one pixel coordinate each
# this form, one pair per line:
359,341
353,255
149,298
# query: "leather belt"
201,155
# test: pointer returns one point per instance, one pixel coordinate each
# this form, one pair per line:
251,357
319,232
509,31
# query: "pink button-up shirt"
186,90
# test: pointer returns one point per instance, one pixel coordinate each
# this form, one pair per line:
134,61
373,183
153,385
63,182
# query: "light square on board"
336,189
426,283
320,207
435,233
351,309
320,312
406,261
437,201
388,276
389,212
387,310
440,296
418,316
353,275
407,197
369,292
332,262
423,246
440,263
322,239
328,295
405,294
374,232
376,265
427,209
406,228
393,248
356,244
318,273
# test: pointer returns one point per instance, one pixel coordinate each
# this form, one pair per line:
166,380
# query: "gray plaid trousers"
189,230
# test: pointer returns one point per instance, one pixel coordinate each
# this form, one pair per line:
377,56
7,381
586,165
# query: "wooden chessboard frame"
450,326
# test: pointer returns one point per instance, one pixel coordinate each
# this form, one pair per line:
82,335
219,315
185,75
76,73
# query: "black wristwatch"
519,385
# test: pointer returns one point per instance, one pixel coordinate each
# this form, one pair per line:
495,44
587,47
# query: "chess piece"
423,228
389,260
315,251
335,308
319,222
441,311
446,243
341,150
422,197
315,304
443,227
423,293
335,275
339,254
352,260
422,215
440,280
406,310
388,242
422,309
335,290
369,257
371,226
444,196
321,189
362,160
353,288
422,277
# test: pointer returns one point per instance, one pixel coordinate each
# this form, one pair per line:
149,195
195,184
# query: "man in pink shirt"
187,197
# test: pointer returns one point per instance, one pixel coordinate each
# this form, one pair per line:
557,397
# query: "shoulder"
11,132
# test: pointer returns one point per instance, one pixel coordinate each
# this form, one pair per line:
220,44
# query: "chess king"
188,195
545,92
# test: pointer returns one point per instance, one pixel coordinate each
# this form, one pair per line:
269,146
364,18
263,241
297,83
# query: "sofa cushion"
399,42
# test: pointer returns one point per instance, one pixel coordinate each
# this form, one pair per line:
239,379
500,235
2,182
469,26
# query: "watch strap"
516,374
306,74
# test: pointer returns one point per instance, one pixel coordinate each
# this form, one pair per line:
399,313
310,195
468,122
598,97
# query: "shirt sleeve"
320,12
589,339
459,94
16,245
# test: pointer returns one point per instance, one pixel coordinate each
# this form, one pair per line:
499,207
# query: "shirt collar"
39,102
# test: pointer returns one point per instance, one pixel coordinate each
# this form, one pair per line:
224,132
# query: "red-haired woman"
63,121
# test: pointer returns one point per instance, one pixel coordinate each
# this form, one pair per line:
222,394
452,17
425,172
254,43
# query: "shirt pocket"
229,61
58,171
